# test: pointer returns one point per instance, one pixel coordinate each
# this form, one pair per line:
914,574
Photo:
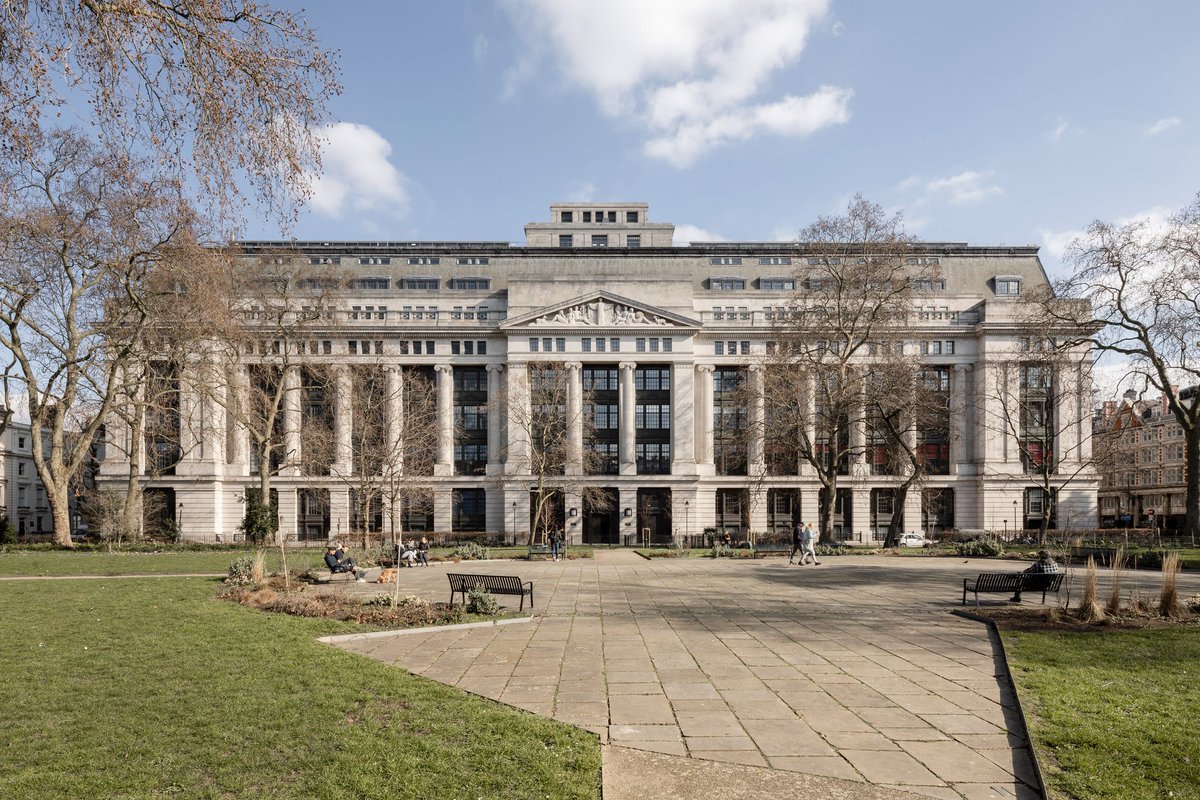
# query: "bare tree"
550,429
1039,400
389,444
1142,287
854,297
88,241
280,313
215,91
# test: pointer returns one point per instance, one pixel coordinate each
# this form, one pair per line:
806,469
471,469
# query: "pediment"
600,310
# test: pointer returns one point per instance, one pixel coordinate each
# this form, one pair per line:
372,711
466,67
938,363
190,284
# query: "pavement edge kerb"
994,634
356,637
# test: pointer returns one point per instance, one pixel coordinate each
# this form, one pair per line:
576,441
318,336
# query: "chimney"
1110,408
1163,400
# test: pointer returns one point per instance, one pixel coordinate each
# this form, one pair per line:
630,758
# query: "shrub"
1116,568
241,571
379,554
8,533
721,551
829,550
481,601
979,547
469,551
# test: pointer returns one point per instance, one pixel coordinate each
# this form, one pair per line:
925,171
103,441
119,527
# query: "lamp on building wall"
629,512
574,512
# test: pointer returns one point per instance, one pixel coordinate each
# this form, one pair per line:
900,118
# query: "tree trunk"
893,531
60,511
826,514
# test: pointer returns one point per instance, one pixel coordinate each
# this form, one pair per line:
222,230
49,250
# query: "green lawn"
98,562
15,561
153,689
1114,714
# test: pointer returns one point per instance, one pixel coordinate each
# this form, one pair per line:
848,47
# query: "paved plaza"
854,669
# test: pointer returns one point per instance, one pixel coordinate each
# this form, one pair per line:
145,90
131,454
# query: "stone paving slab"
855,670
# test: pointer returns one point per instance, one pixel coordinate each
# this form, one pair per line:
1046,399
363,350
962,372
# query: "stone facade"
1143,484
601,288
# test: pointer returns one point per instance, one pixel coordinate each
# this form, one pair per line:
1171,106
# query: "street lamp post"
1015,526
687,517
514,520
179,521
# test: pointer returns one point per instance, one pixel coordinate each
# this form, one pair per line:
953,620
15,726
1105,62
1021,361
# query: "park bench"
496,584
1012,583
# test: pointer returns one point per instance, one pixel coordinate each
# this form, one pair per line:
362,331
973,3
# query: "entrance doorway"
601,521
654,515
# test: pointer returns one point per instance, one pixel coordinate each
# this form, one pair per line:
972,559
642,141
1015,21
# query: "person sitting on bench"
423,552
337,561
407,554
1045,565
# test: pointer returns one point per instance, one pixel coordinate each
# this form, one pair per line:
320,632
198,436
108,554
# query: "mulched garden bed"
375,611
1060,620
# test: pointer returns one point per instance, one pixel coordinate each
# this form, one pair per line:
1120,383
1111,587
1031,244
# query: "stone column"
395,419
683,419
755,451
443,512
809,420
213,432
858,427
445,413
495,373
291,421
516,460
628,433
343,422
704,413
238,398
574,464
959,430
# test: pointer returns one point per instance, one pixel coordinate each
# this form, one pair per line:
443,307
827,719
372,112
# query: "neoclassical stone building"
651,333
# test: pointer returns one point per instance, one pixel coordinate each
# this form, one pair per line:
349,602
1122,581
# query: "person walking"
808,540
556,540
797,541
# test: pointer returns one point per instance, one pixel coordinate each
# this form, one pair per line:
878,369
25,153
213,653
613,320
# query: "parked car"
914,540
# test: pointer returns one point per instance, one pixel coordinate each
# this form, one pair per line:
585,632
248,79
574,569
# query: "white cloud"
357,175
479,50
1060,130
688,71
1055,243
965,187
838,28
582,192
1161,126
686,234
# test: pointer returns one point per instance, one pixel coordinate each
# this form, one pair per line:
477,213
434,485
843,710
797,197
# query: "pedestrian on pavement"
809,538
797,541
556,540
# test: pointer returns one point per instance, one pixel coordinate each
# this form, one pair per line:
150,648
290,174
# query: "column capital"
495,367
444,368
708,368
574,366
628,365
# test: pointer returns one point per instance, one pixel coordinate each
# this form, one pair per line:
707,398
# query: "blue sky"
1014,123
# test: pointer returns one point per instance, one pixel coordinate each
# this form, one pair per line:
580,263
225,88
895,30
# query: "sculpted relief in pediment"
600,312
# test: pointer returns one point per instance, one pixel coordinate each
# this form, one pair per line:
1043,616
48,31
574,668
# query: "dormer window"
1008,285
568,216
726,284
